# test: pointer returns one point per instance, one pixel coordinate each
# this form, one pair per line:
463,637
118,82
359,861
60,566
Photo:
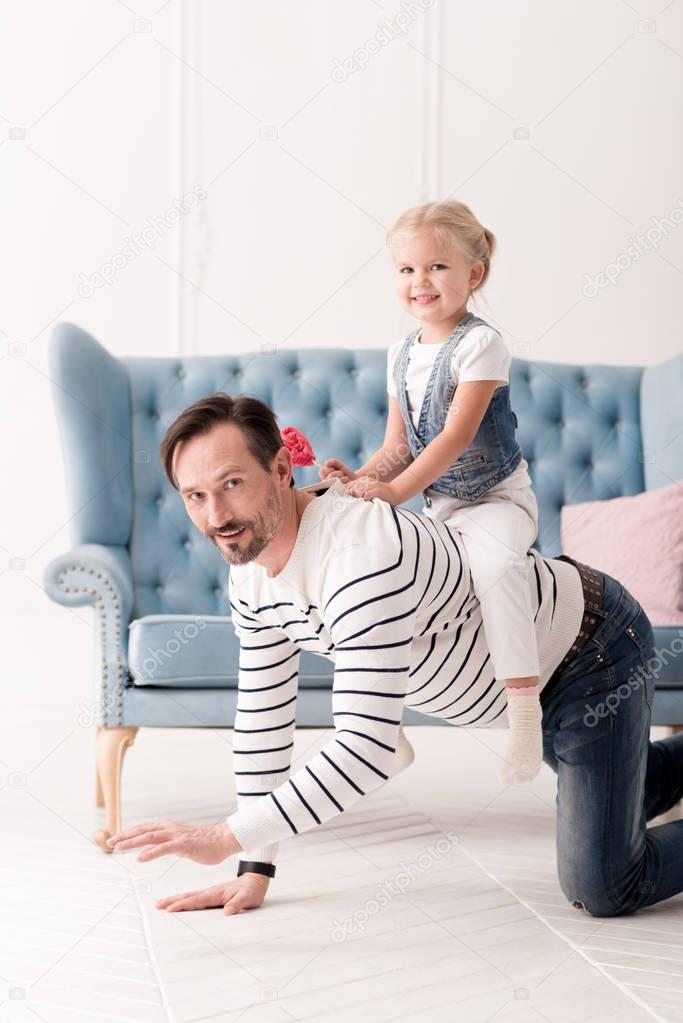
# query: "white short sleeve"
481,355
392,356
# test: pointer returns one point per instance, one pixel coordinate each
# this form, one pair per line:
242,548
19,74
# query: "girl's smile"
434,282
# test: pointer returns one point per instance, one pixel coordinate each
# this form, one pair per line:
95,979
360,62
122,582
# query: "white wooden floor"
380,917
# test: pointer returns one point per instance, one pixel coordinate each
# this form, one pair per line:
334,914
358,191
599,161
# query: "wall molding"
193,235
429,175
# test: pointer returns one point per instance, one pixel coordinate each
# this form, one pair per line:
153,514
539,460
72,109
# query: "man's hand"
367,488
207,845
246,892
333,467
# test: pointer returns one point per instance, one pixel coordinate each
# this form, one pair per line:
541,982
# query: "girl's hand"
333,467
367,488
206,845
246,892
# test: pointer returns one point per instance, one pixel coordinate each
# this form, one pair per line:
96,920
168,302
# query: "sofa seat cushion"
199,651
667,661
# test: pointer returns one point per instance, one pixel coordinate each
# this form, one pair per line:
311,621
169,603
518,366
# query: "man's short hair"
253,417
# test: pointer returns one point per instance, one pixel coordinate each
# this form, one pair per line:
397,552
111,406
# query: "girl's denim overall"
494,452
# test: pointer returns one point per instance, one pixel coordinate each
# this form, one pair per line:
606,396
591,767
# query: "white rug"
73,945
480,931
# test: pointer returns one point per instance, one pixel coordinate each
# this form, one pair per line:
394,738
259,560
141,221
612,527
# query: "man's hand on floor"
246,892
208,845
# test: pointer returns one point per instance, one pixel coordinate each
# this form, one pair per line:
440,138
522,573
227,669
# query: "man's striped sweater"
386,594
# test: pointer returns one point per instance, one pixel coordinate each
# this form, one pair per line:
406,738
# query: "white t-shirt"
481,355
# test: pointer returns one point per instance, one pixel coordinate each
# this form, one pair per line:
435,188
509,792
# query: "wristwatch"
254,867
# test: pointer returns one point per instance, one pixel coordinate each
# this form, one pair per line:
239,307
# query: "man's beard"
263,529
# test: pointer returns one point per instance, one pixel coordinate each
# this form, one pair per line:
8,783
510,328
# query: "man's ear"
284,467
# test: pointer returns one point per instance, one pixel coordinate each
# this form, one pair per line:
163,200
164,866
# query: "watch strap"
254,867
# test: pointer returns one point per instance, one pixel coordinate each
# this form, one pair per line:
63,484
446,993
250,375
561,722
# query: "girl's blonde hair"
451,222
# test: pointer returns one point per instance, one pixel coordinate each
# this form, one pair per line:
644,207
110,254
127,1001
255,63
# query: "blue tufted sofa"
168,655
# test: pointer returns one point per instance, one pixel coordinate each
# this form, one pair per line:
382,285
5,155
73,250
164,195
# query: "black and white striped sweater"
386,594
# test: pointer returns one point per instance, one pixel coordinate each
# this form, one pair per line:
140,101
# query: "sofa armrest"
101,576
91,396
661,419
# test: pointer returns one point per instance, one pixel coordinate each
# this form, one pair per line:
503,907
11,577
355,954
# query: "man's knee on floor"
600,903
597,908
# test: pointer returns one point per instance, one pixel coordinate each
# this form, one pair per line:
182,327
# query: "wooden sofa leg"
111,745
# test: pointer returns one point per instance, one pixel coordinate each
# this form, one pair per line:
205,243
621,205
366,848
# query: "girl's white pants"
497,531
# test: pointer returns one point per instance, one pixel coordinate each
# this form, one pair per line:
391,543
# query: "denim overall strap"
447,349
400,373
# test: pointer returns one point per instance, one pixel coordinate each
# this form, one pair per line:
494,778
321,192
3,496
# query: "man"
386,594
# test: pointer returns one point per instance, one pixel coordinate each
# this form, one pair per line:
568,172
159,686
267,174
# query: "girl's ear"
476,273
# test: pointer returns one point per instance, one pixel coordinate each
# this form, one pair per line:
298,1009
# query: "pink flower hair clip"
299,446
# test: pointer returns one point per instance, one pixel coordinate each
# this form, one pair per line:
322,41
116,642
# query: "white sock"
524,754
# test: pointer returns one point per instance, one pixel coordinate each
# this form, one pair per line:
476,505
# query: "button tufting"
297,374
180,373
353,371
159,588
187,544
158,501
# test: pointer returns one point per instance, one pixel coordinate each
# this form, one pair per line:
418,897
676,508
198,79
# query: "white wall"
560,124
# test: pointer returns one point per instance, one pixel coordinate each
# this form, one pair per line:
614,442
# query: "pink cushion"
637,540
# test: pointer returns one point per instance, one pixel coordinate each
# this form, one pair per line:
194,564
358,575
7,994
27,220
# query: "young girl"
451,435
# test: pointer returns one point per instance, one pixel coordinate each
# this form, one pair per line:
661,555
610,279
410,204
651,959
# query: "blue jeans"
611,779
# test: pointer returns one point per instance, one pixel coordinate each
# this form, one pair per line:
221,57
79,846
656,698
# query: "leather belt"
592,583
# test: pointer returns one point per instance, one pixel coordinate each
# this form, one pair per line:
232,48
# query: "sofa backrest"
579,428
